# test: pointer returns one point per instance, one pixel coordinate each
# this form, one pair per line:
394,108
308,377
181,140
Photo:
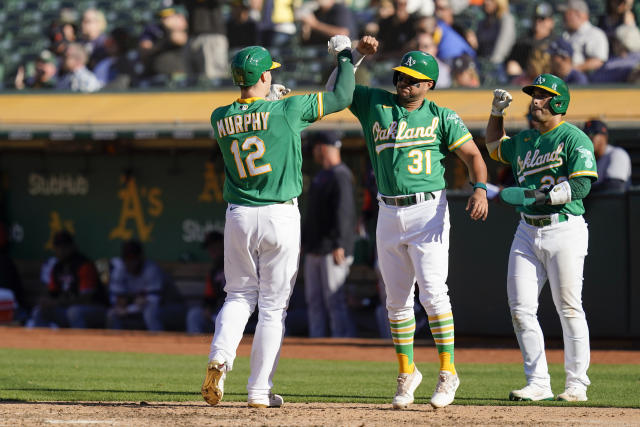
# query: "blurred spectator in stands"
328,238
383,10
496,36
277,27
539,38
63,31
396,31
614,164
162,48
618,12
45,73
562,63
450,43
445,13
424,42
117,70
77,77
421,7
201,319
539,62
93,36
590,44
76,297
208,47
464,73
625,57
242,31
328,20
10,278
139,292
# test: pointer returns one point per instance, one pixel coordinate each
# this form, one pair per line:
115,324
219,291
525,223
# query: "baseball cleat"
573,394
213,385
272,401
531,392
407,384
445,391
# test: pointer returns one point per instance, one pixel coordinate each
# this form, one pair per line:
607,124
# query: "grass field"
55,375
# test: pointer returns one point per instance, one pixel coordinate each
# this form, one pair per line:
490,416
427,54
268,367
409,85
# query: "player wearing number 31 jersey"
553,165
261,148
408,137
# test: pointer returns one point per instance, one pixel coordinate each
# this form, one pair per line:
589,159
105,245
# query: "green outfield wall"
170,199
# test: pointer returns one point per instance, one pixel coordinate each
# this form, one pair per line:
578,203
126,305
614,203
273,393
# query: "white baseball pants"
413,245
261,255
555,252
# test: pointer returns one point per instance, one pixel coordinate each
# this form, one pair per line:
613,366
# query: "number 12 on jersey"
252,141
420,158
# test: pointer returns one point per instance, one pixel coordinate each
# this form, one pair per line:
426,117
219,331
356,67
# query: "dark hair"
62,238
211,238
131,248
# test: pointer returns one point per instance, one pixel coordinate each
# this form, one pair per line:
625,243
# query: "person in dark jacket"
76,297
328,236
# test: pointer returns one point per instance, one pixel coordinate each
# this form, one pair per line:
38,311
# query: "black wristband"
345,53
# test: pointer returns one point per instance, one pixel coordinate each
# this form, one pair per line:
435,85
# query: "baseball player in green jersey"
554,166
408,137
261,149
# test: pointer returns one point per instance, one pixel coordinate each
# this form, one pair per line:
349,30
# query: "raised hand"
501,100
337,44
367,45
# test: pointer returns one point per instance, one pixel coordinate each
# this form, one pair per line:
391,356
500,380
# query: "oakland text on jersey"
539,162
240,123
399,132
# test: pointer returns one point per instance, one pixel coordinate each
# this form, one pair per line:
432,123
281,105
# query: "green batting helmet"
248,65
419,65
555,86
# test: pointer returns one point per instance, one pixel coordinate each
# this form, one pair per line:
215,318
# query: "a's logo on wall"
132,212
57,224
211,189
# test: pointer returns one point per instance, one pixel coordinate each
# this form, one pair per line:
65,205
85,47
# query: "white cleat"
531,392
445,391
573,394
407,384
271,401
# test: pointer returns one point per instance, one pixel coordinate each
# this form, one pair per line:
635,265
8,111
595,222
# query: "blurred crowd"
477,42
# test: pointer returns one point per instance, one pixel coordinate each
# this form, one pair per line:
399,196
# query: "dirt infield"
294,414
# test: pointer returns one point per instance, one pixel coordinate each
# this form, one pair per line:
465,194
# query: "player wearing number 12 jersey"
408,137
261,148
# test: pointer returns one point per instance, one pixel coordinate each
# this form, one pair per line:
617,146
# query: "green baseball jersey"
261,147
407,148
545,159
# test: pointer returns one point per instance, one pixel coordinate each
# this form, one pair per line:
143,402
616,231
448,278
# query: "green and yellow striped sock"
442,330
402,333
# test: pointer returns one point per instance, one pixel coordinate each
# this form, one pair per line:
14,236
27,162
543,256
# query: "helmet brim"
529,89
412,73
274,64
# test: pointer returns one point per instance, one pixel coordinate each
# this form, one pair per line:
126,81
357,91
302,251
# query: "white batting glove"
501,100
276,92
337,44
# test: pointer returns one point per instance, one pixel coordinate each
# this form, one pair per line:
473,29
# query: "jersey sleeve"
580,158
506,150
455,129
308,108
360,100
